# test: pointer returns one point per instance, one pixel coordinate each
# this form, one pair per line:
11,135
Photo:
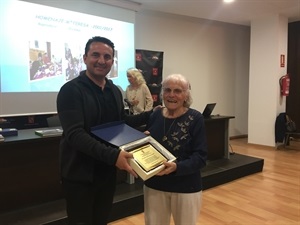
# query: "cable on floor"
231,150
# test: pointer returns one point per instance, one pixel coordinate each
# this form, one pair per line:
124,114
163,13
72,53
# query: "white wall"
268,42
214,56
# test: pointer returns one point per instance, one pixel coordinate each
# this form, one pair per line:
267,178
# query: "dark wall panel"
293,69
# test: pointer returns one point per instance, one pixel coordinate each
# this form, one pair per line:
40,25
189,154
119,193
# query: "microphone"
128,103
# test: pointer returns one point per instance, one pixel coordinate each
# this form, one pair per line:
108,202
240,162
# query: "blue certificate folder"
5,132
117,133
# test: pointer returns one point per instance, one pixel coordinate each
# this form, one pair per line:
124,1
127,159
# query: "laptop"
208,109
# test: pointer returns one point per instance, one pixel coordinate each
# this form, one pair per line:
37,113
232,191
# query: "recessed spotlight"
228,1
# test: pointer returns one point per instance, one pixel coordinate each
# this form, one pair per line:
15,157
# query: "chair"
126,103
53,121
289,136
282,134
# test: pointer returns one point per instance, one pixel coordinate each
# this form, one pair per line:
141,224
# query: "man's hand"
157,107
122,162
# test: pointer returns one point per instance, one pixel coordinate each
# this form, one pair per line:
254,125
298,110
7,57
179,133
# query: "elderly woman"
177,189
137,92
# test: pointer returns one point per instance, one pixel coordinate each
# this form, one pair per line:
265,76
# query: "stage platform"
129,197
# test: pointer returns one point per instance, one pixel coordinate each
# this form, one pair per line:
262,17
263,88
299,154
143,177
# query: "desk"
29,165
29,170
217,134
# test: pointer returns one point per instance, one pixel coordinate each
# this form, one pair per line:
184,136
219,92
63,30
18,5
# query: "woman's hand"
170,167
134,102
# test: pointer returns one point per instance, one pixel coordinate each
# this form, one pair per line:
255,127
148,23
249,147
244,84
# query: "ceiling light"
228,1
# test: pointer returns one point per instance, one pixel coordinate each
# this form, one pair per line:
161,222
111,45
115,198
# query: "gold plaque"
148,157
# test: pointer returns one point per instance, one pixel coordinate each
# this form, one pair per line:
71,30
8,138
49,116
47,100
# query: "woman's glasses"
175,91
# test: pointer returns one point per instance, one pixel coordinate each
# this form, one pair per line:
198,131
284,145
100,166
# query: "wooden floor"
271,197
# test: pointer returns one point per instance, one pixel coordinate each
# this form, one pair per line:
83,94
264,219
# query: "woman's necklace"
166,133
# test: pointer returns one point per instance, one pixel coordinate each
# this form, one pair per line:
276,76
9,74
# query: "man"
88,166
36,66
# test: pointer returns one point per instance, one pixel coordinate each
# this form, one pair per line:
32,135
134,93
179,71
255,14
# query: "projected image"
74,60
114,69
44,49
44,62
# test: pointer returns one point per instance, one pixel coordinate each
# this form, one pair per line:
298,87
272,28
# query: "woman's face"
131,79
174,95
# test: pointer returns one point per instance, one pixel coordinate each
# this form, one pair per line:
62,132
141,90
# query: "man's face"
99,60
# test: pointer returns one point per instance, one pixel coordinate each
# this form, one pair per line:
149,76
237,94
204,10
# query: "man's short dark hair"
99,39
